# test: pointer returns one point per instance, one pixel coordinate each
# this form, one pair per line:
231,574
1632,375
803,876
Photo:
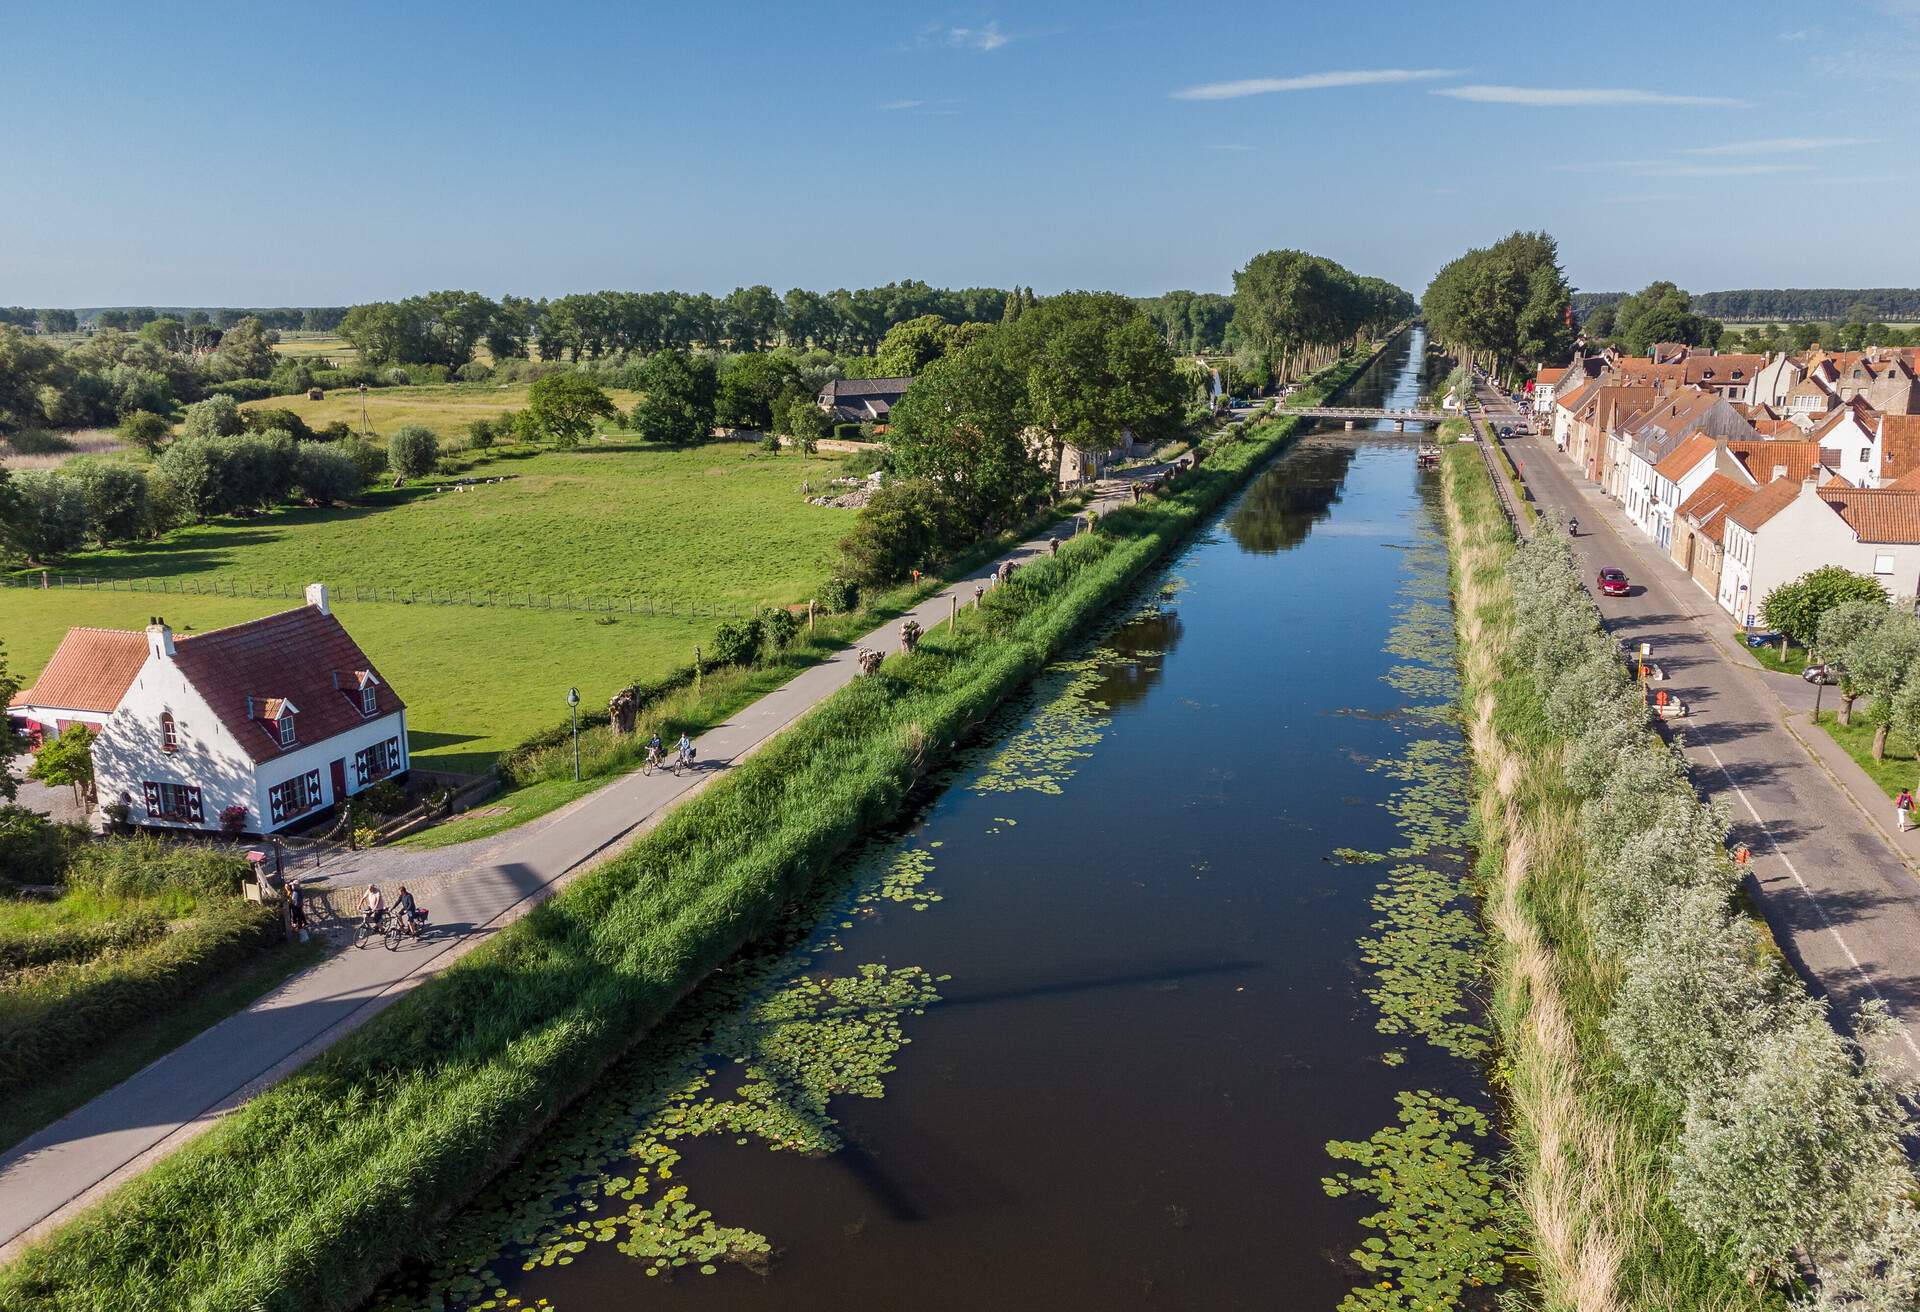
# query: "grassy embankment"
707,527
404,1119
1588,1148
145,949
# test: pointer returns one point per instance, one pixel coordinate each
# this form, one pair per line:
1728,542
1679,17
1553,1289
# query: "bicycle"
653,761
367,932
398,930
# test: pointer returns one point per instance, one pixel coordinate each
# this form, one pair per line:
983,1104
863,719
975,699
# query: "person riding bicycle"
404,908
375,907
684,749
1573,526
654,750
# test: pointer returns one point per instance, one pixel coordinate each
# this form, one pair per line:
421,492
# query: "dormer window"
286,728
169,735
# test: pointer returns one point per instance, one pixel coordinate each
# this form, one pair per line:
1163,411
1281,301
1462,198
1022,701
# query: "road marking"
1905,1034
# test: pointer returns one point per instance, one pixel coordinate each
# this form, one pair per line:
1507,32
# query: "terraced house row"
1752,470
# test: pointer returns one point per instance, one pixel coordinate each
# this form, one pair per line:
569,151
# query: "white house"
82,684
1789,528
282,716
1545,383
1774,380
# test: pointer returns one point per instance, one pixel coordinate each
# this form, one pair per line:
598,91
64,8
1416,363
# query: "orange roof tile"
1708,505
90,670
1547,375
1899,444
1765,503
1909,481
1760,459
1877,515
1685,456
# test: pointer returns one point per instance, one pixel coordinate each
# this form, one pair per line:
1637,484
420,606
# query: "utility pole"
573,708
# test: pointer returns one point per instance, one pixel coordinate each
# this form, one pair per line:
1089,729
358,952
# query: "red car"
1612,582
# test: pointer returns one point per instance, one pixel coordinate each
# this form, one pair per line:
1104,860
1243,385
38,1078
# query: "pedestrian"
297,909
1903,810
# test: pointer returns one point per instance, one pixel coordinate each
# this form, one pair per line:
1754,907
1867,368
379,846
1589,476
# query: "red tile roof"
1722,370
1685,456
1549,375
1899,444
1878,515
1909,481
1761,458
91,670
1764,504
1708,505
292,657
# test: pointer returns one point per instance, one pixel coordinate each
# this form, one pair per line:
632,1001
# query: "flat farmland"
310,346
445,408
720,525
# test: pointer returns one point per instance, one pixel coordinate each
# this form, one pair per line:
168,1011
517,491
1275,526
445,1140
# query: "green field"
310,346
445,408
709,527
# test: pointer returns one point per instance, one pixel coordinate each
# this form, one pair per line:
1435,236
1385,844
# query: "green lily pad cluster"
755,1055
1444,1224
1043,755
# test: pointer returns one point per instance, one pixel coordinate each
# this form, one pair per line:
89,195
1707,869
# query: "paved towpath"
1827,874
72,1162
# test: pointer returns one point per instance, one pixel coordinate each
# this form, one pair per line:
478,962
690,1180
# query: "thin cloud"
942,105
1261,86
1798,34
1228,145
1575,97
988,37
1777,145
1671,168
893,105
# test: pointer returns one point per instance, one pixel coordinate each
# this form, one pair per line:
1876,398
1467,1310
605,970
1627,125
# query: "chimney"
1779,471
159,638
317,598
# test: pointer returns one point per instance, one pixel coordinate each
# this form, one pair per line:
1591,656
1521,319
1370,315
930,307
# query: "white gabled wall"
128,753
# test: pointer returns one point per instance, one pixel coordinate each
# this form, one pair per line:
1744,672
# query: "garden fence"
514,598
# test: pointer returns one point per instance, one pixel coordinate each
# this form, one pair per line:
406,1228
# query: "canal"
1077,1034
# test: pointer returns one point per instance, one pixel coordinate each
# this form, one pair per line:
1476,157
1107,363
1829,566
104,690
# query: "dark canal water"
1078,1033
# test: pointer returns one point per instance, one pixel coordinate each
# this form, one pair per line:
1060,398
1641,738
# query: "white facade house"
282,716
82,684
1787,529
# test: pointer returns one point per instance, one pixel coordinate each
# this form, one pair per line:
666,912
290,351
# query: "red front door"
340,780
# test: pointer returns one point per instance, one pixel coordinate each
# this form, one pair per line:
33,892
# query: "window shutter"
393,755
276,800
153,798
193,806
360,766
313,788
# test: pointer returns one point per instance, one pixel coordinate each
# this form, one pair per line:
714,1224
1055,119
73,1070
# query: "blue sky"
218,153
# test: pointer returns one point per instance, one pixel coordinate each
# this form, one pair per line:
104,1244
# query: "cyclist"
375,907
653,753
684,750
403,907
1573,527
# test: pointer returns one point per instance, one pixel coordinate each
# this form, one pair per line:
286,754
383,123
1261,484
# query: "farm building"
282,716
857,400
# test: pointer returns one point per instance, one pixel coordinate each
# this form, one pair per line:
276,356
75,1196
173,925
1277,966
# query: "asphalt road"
1843,903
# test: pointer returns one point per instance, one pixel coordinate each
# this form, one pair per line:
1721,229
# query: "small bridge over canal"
1357,414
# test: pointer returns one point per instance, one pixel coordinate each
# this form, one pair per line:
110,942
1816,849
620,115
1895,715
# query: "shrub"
480,433
770,444
277,420
909,524
777,626
838,595
116,497
325,474
736,642
413,451
473,372
33,849
383,798
146,865
45,515
146,430
217,416
368,456
337,431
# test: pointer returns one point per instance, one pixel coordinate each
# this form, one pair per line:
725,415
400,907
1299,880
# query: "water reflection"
1142,644
1281,508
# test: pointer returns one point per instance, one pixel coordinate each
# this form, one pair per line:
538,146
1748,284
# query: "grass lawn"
1792,663
1897,770
48,1100
307,346
446,408
719,524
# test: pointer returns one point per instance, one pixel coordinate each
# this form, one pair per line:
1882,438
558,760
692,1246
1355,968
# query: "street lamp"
573,708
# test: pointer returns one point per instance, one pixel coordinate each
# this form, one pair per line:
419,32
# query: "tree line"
1293,312
1505,306
312,318
1792,304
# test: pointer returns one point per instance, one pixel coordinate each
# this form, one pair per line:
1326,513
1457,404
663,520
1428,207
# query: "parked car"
1612,582
1821,674
1762,639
